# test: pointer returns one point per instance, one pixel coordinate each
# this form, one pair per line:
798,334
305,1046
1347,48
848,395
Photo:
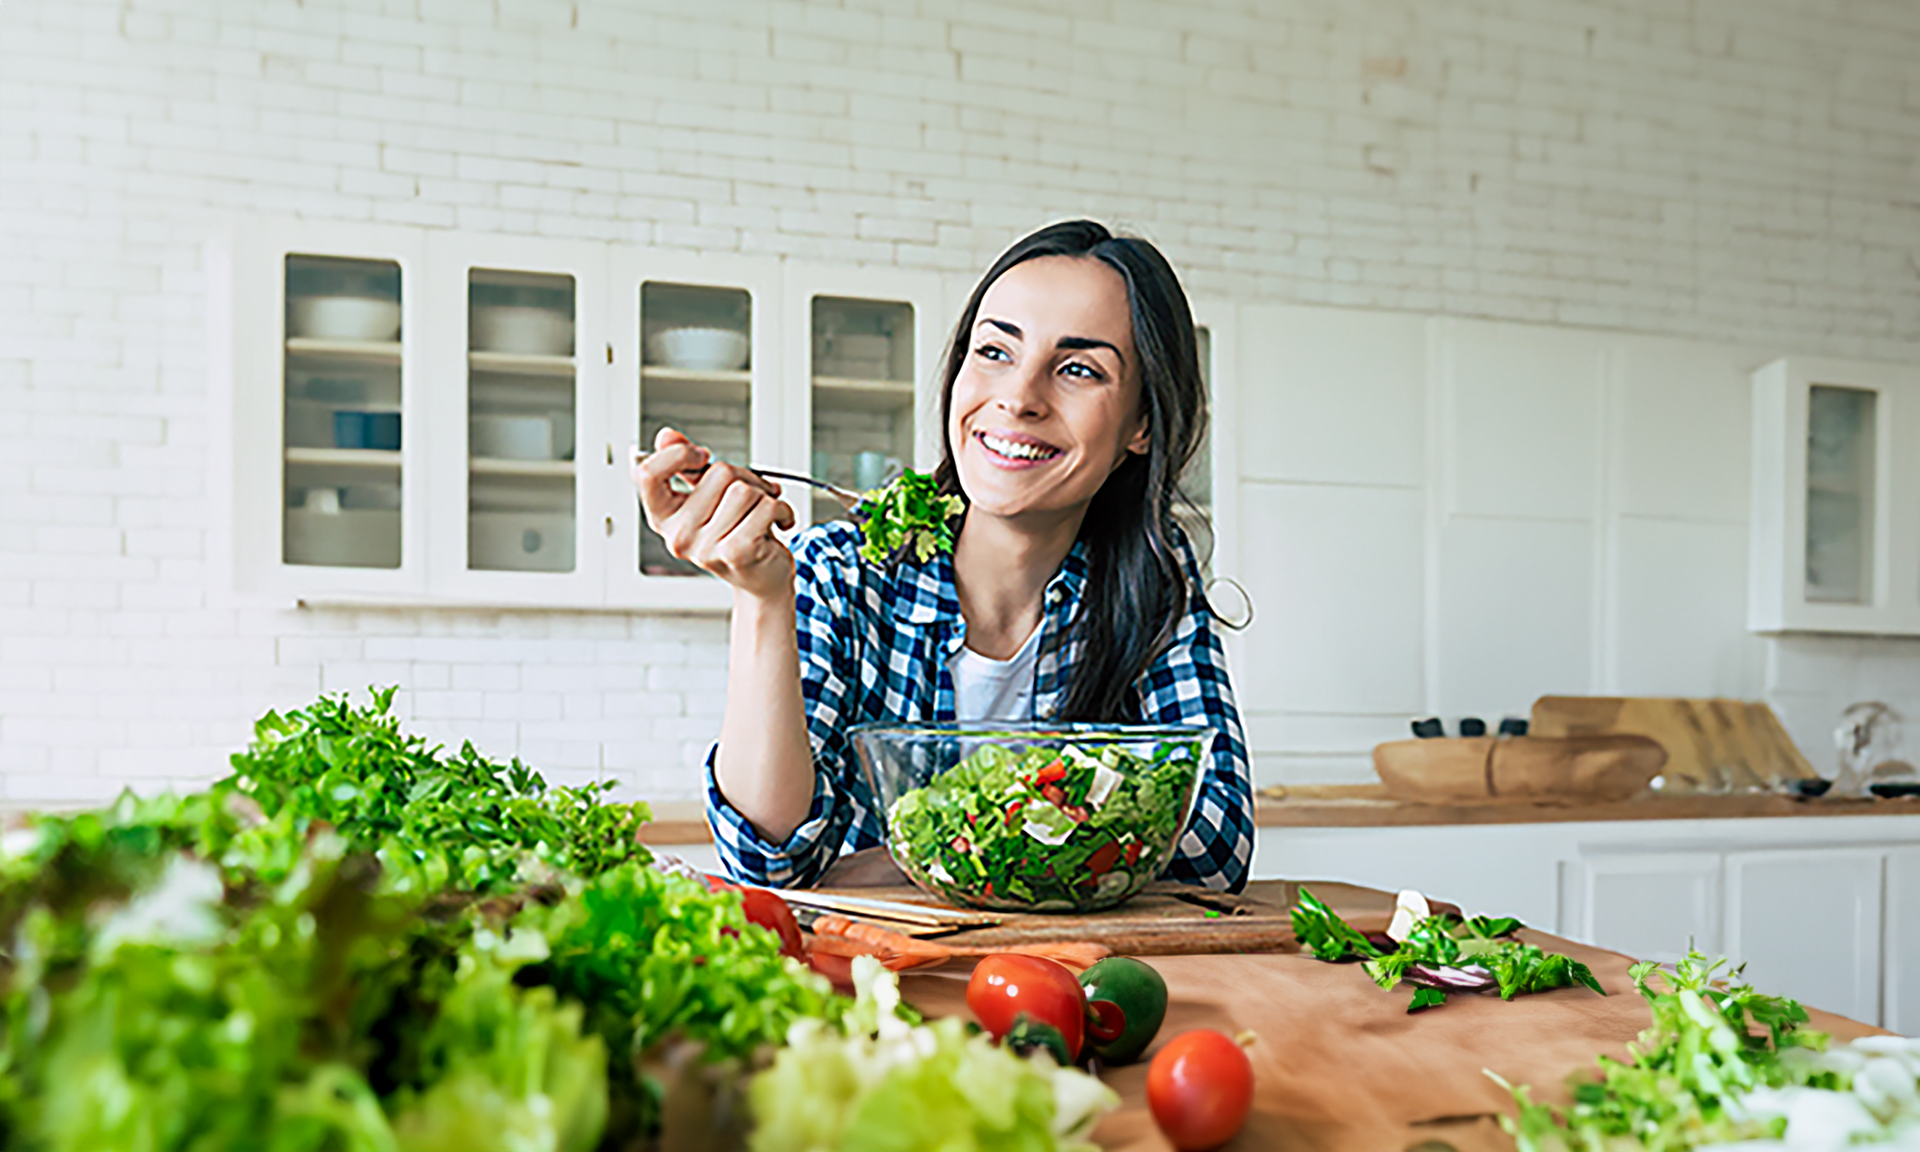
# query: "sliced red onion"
1472,978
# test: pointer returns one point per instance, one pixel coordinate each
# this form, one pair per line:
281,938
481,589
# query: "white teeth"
1018,449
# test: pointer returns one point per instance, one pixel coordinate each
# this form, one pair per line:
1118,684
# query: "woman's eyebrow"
1076,343
1068,343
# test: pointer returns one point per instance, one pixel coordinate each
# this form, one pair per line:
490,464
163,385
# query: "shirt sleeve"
1188,684
822,600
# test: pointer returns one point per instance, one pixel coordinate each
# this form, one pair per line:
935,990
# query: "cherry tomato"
770,912
1008,986
767,910
1200,1087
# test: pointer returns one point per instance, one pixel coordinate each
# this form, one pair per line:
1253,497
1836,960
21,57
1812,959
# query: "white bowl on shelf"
344,318
699,349
510,437
521,329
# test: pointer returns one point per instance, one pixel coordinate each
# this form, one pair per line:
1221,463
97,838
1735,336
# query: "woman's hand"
725,525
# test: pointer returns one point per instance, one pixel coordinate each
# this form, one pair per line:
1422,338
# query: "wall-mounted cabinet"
443,418
1835,543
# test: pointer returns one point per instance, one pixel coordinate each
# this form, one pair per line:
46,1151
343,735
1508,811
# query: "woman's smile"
1016,450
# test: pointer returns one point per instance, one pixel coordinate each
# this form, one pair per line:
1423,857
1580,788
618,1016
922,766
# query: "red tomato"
770,912
1007,986
1200,1087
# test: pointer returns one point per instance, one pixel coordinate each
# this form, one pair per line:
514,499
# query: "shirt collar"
924,592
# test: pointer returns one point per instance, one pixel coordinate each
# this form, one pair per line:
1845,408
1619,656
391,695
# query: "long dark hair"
1137,588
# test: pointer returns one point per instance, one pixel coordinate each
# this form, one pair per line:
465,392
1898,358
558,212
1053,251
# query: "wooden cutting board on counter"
1167,919
1727,743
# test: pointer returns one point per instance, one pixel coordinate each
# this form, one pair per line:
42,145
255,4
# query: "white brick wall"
1735,171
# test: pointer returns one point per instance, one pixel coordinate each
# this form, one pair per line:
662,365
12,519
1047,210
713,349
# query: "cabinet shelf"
863,395
543,469
371,458
695,385
520,364
356,351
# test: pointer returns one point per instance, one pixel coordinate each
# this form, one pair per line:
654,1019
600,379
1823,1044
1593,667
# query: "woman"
1072,400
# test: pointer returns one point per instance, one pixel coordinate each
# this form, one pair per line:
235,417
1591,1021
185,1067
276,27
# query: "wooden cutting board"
1167,919
1727,742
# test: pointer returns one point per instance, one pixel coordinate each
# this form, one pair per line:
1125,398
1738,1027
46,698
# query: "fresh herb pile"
1441,954
908,514
1709,1046
359,943
1044,828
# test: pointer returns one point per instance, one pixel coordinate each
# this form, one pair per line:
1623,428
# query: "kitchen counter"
1339,1064
1368,806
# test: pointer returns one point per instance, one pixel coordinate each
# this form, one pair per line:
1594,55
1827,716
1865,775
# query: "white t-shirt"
989,689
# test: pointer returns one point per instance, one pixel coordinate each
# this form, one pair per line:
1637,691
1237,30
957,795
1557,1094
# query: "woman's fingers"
654,475
738,500
751,541
693,522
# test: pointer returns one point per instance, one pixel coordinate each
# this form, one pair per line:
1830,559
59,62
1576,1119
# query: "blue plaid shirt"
874,645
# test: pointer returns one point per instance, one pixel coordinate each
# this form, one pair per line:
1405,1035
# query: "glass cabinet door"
1834,537
1194,514
862,393
341,373
696,376
522,396
1841,476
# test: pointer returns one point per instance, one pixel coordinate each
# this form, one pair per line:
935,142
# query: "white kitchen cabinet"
1807,925
1902,960
517,332
1835,538
733,400
416,417
1650,905
320,357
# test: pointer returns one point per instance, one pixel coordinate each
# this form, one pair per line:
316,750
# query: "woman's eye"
989,352
1081,371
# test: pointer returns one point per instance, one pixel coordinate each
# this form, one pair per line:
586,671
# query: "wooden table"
1339,1066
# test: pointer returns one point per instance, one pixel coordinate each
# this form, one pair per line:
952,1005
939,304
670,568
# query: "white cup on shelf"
325,501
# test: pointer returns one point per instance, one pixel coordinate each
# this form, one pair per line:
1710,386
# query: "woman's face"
1047,402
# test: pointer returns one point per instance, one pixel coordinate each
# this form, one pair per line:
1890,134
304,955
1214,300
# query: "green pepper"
1126,1001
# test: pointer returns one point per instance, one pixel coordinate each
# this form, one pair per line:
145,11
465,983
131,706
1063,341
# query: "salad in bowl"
1055,818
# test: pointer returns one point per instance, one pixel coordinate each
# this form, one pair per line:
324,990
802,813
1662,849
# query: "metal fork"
848,498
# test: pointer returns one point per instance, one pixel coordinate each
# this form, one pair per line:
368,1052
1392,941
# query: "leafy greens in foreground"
1441,954
1709,1044
1044,827
882,1083
909,513
357,942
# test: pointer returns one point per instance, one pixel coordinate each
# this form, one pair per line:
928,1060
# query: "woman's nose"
1022,392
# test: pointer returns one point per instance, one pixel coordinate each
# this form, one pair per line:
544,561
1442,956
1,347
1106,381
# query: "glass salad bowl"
1032,818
